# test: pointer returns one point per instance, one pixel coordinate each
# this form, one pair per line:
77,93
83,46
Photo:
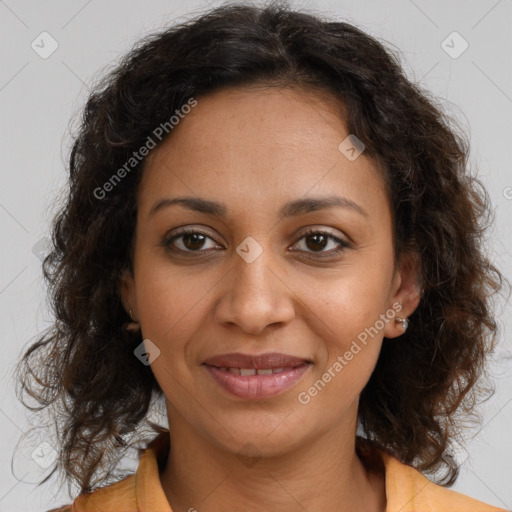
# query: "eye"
317,240
192,240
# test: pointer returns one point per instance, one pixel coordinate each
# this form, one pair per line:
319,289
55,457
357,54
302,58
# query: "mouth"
254,377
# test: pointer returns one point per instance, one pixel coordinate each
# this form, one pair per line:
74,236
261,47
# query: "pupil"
318,245
197,240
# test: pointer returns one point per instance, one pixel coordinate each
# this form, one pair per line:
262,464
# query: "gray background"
39,97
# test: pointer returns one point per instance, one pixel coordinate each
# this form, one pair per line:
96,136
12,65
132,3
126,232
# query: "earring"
132,326
403,321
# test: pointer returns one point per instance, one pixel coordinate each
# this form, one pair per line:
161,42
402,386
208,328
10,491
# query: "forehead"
257,146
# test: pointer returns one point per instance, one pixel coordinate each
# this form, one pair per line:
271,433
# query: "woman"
272,230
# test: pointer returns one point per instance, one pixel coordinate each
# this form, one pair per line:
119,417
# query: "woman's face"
252,281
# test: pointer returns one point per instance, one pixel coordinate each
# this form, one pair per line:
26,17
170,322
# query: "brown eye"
317,241
193,241
189,240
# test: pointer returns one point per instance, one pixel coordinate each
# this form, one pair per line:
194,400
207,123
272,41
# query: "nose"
255,295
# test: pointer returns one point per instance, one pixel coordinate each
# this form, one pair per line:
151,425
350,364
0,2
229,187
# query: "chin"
272,441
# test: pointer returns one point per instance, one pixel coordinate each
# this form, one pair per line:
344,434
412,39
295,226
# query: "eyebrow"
290,209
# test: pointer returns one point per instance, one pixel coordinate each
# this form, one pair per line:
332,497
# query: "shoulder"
408,490
139,490
117,496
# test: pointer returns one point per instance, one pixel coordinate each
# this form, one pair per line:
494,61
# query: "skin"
255,149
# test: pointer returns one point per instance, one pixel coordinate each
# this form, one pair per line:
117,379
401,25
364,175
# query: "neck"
325,474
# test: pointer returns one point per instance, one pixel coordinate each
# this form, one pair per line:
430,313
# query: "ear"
127,292
406,292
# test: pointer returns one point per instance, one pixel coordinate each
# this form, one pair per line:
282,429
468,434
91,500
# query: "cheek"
170,300
347,304
349,318
351,335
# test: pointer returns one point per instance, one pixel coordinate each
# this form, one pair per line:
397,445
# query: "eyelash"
167,242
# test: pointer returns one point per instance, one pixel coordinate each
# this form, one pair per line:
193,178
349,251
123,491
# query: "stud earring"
403,321
132,326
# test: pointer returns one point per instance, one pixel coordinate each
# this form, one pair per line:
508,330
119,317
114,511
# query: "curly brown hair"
83,368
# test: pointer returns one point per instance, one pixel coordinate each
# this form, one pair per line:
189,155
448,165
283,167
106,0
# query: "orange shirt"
407,490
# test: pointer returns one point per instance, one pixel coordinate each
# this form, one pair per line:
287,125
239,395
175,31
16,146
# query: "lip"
267,360
257,387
